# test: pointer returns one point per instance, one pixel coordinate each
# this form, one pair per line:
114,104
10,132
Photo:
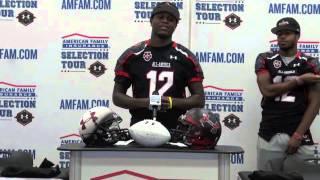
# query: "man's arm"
269,89
312,109
196,100
307,119
121,99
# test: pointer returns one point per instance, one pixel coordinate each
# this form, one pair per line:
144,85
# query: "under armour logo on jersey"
296,65
173,57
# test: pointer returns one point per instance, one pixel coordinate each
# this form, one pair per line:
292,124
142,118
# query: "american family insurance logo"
223,100
82,53
226,102
17,102
64,156
310,48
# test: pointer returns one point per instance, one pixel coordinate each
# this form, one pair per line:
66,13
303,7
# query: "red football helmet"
99,126
198,128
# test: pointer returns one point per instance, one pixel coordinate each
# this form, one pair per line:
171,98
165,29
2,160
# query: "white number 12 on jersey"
163,75
284,97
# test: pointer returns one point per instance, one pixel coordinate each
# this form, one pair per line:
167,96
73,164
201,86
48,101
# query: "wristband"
298,80
170,102
297,136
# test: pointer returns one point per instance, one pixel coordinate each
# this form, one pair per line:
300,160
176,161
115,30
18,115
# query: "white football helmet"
99,126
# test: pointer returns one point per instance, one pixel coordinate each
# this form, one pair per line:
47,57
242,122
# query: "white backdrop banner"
57,60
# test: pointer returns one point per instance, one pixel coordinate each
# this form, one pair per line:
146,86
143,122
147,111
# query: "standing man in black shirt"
289,82
161,65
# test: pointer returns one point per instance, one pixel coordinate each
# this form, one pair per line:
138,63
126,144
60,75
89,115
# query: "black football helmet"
99,126
198,128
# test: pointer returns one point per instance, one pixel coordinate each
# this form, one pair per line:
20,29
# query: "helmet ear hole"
100,126
198,128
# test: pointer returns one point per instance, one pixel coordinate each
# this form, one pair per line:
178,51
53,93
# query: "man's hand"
165,104
309,78
293,145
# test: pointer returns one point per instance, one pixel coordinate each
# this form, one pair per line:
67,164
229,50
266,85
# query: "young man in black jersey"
161,65
289,82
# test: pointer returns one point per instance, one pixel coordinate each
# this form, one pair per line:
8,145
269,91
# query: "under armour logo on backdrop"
231,121
24,117
26,17
232,21
97,69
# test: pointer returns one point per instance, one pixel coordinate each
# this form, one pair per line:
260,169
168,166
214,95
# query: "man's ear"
151,20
